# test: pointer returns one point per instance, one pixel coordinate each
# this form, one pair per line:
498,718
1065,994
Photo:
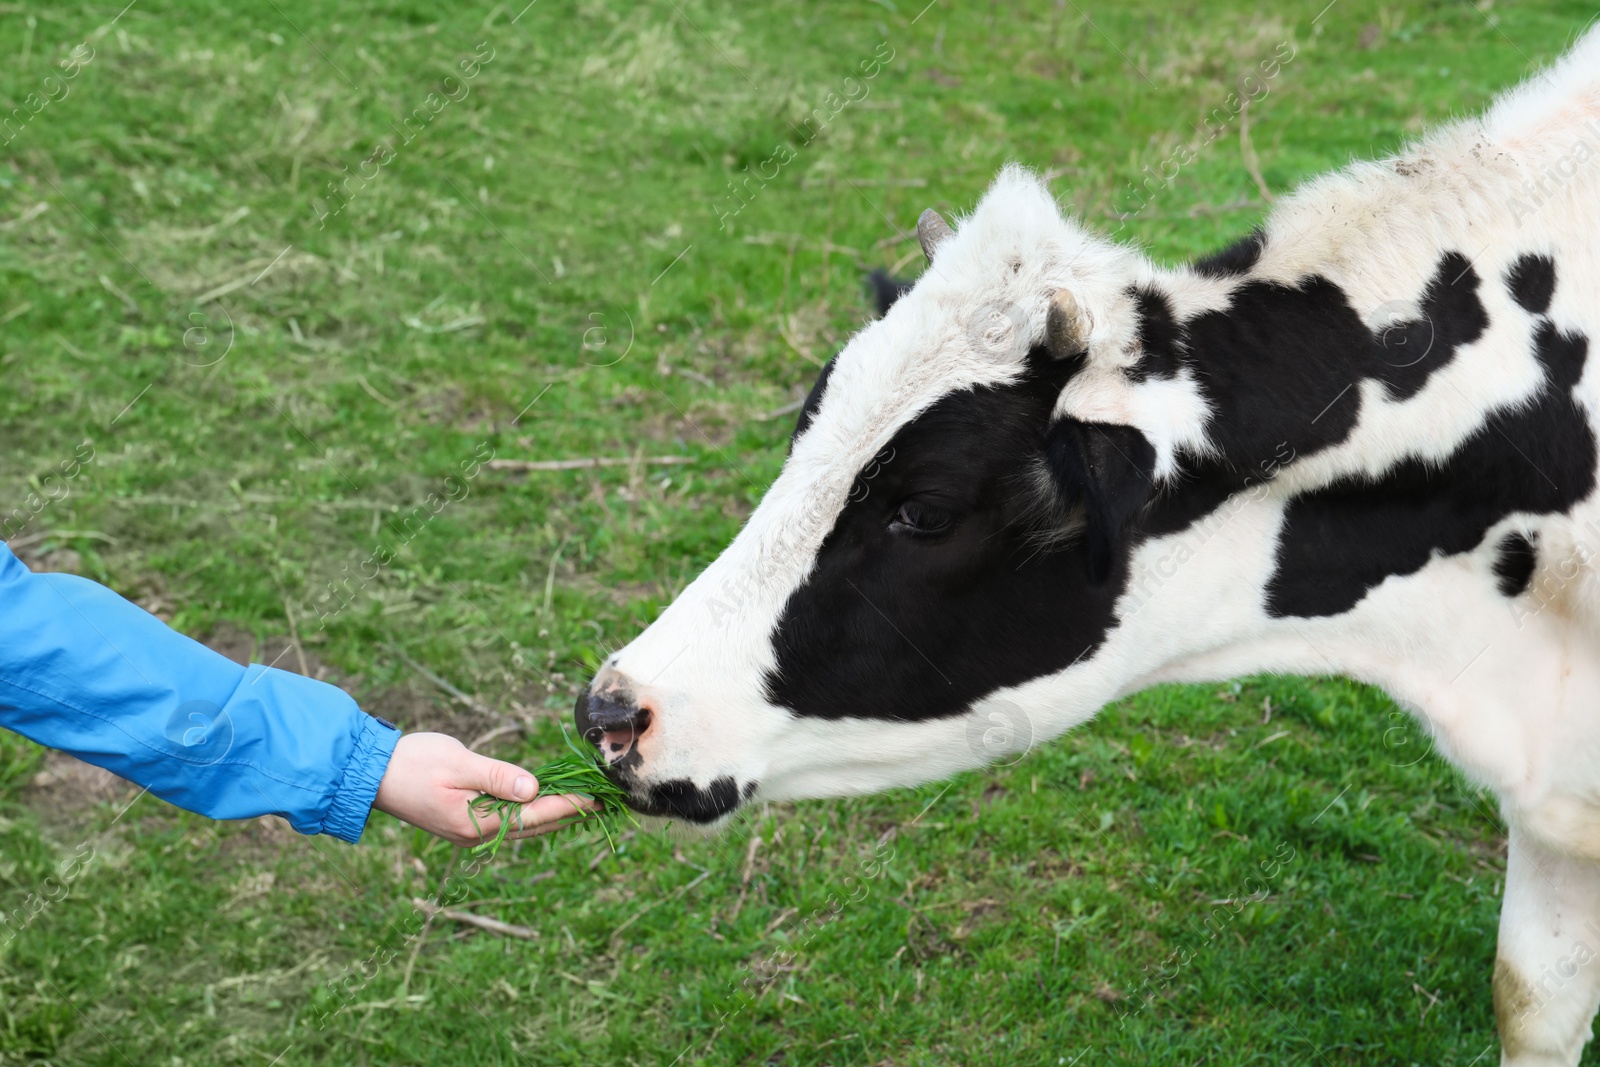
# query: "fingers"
538,817
499,778
551,813
547,828
548,810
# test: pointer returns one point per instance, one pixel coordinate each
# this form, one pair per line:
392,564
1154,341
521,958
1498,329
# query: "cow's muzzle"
613,723
616,722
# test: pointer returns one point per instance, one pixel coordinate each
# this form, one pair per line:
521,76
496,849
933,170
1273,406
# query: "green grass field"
285,278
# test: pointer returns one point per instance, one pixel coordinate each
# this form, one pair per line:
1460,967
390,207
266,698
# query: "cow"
1361,441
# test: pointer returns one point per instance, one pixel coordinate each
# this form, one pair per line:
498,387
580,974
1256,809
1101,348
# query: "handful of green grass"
577,772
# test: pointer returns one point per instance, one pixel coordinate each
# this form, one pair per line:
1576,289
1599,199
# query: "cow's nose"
610,721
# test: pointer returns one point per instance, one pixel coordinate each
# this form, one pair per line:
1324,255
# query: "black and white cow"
1362,440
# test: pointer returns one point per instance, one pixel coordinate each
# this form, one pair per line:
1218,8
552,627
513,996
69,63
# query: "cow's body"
1360,442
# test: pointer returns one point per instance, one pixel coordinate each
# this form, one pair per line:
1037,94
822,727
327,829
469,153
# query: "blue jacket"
85,671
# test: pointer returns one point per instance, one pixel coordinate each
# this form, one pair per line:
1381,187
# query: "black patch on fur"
1281,366
682,799
1532,281
1452,315
1207,486
1281,363
1160,337
885,290
1108,469
1338,543
1562,354
908,627
1238,258
1514,560
808,410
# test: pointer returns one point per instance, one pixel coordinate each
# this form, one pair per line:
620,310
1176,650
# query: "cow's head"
925,587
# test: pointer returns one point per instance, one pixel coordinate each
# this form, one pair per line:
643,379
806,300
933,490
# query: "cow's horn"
931,232
1063,326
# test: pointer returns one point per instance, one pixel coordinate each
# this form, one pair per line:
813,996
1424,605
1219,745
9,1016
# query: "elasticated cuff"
347,815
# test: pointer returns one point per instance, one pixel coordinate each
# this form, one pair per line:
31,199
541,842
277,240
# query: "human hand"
432,778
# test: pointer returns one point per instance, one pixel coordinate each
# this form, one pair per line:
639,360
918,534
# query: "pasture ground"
549,262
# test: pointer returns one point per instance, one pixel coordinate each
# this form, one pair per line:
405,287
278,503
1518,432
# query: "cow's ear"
885,290
1110,470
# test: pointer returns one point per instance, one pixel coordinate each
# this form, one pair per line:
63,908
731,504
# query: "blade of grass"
578,772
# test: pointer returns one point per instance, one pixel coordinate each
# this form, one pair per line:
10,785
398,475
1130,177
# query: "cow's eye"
920,517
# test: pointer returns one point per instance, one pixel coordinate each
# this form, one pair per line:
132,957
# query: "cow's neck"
1296,369
1350,448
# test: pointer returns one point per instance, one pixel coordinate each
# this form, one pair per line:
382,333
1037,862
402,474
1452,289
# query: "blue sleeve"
85,671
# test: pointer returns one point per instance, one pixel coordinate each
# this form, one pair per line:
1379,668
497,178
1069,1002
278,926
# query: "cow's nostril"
610,722
618,740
